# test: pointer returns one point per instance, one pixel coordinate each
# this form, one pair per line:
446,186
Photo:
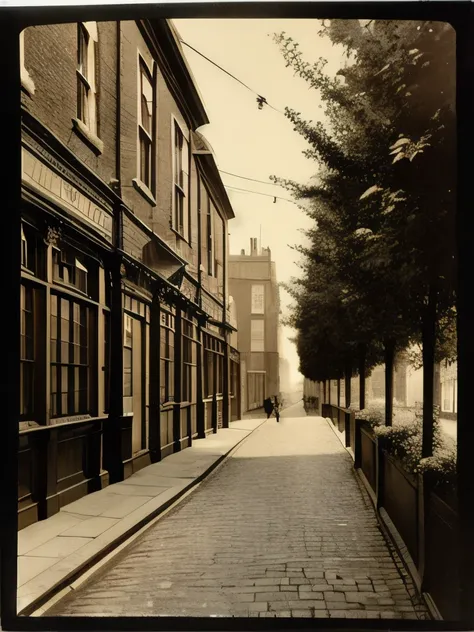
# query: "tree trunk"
428,339
324,392
348,376
389,346
362,370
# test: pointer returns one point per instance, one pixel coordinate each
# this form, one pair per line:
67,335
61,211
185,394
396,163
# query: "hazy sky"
258,143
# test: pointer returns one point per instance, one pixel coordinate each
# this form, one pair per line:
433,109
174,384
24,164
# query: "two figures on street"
270,405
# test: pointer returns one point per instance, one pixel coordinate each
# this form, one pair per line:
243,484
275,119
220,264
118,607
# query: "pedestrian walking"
276,408
268,406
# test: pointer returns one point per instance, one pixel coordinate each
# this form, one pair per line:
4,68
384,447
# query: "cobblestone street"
280,529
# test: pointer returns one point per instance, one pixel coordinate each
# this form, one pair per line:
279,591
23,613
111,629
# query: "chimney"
253,247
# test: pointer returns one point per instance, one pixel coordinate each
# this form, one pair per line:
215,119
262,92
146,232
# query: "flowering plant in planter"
441,466
404,441
372,415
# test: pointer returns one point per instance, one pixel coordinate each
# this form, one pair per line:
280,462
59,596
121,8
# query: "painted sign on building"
50,185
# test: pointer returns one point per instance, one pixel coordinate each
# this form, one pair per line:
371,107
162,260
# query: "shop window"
106,367
189,361
233,379
128,357
27,352
68,269
166,358
71,371
32,251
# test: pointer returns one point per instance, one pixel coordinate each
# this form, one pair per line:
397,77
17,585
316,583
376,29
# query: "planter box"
441,578
400,500
368,456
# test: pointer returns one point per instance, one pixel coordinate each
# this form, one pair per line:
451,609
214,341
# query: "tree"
390,130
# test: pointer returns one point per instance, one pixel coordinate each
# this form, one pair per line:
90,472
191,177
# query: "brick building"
125,325
254,289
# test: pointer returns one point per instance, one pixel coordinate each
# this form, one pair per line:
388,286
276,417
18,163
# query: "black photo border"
12,21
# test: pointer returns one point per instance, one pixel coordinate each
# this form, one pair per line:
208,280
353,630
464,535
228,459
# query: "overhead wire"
275,197
261,100
236,175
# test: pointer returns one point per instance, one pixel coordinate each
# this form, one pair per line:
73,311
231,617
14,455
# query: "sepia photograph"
238,380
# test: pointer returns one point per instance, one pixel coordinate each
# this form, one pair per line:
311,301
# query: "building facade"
126,350
254,289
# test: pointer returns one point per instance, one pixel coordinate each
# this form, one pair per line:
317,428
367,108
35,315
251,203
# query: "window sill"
89,137
144,191
181,236
27,83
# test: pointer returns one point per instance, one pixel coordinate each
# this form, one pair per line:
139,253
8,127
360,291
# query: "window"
210,238
257,335
189,361
32,251
106,361
181,183
27,352
70,357
233,387
68,269
166,358
128,356
86,61
258,299
26,81
145,127
213,366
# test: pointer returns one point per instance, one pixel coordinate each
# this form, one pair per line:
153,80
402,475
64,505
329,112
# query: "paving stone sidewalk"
281,529
51,550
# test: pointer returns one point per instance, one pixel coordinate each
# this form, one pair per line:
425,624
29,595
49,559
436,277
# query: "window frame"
87,40
127,350
181,168
63,254
71,365
253,340
254,308
146,185
27,413
213,355
189,362
167,361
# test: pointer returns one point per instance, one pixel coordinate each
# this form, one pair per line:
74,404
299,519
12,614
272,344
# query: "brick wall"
50,58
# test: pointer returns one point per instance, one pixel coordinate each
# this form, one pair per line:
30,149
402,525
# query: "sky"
258,143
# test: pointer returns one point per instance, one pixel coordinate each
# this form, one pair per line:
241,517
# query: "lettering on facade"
49,184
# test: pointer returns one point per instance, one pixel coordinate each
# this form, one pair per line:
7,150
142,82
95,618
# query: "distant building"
253,286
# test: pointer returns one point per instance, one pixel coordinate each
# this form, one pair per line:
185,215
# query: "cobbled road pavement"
281,529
